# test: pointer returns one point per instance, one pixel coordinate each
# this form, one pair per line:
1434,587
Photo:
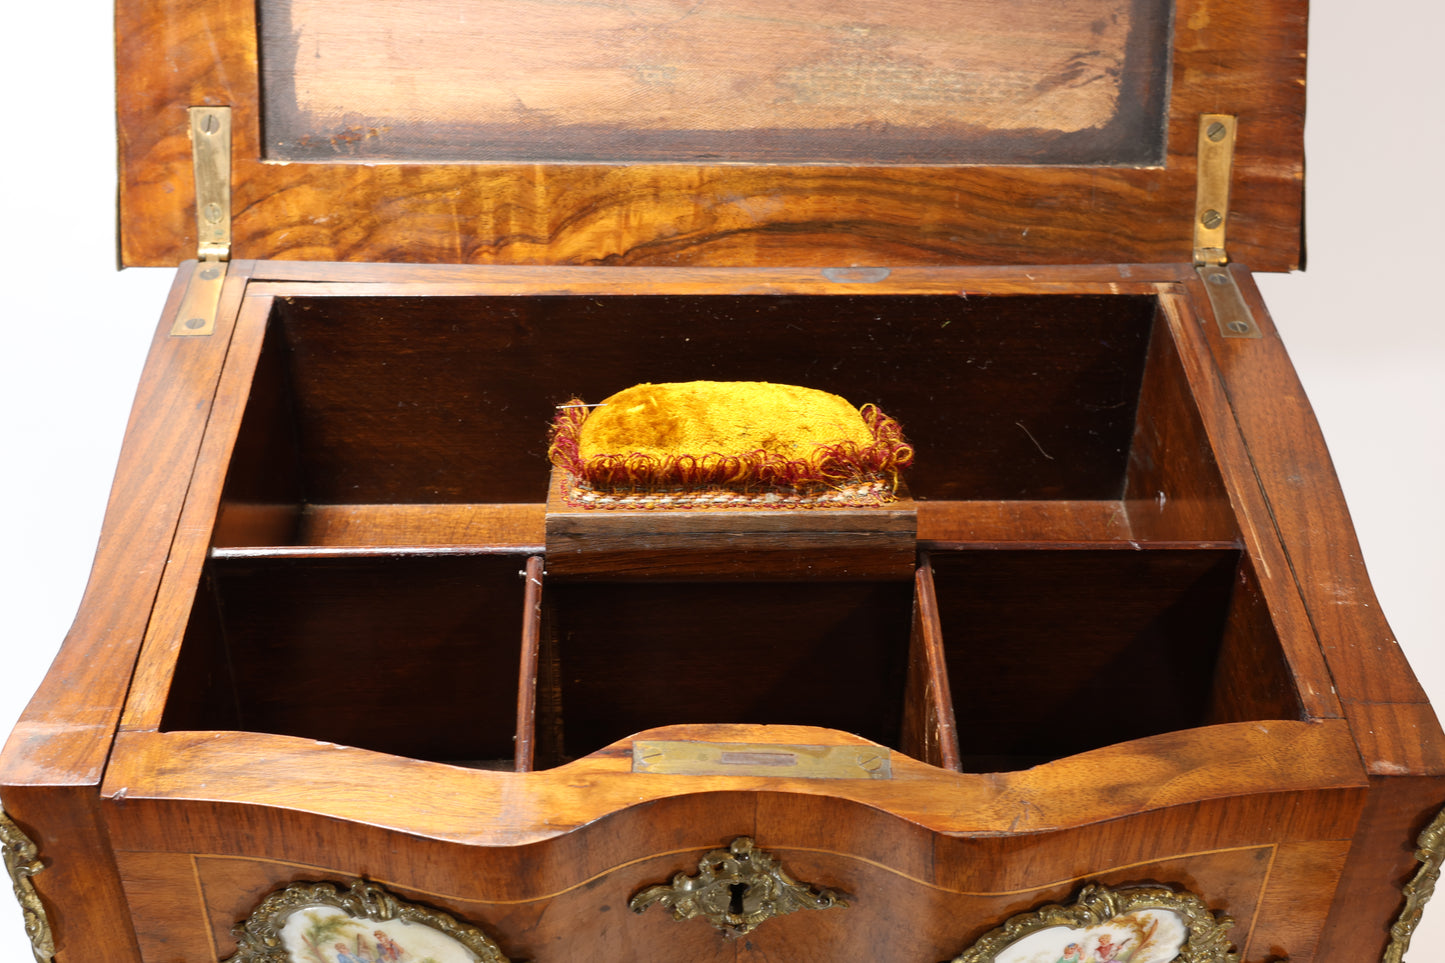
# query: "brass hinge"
211,159
1211,217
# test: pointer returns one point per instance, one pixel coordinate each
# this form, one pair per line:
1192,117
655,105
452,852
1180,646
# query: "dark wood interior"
1051,653
633,656
415,656
446,401
1086,586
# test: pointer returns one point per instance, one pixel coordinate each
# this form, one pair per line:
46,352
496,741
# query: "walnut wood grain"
54,759
1239,616
1399,737
1309,512
930,732
1240,58
917,890
865,542
1173,488
464,420
176,597
1080,82
290,278
1278,580
526,732
480,808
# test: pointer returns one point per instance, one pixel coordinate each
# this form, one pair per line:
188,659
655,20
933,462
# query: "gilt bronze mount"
1430,851
304,923
736,890
1144,922
22,861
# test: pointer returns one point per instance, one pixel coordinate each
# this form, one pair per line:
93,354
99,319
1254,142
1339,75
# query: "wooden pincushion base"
852,542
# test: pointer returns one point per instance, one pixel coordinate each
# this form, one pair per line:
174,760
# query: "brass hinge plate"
1211,220
211,159
1211,196
1231,313
682,758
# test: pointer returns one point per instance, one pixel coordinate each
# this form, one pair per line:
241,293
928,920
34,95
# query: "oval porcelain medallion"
1148,936
1141,924
329,935
323,923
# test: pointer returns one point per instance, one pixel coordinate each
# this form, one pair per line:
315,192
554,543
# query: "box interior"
384,493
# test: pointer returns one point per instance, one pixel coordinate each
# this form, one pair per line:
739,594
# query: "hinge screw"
1238,327
1211,219
209,124
1216,131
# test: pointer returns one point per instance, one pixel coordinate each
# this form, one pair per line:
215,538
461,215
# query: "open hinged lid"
718,132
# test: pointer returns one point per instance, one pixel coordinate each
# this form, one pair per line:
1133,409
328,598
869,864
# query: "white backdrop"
1364,324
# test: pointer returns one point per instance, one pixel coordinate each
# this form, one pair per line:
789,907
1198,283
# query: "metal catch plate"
1233,316
677,758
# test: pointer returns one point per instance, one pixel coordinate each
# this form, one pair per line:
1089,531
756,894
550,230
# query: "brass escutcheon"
736,890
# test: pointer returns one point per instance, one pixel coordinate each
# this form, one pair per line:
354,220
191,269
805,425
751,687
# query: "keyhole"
738,891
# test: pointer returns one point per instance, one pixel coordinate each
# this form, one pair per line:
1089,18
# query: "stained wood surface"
930,730
481,808
289,278
53,761
1241,58
1081,82
526,730
875,541
1273,814
1398,736
175,598
1313,523
1279,583
1219,830
1050,654
591,922
1013,396
1173,488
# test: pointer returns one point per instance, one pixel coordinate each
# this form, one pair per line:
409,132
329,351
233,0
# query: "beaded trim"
862,495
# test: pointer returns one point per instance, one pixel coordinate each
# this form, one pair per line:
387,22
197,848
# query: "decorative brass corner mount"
1430,851
22,861
736,890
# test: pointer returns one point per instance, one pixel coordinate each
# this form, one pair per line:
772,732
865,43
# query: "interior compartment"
423,421
412,655
1082,579
1051,653
622,657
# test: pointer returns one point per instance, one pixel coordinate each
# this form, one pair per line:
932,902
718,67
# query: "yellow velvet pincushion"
734,436
729,417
